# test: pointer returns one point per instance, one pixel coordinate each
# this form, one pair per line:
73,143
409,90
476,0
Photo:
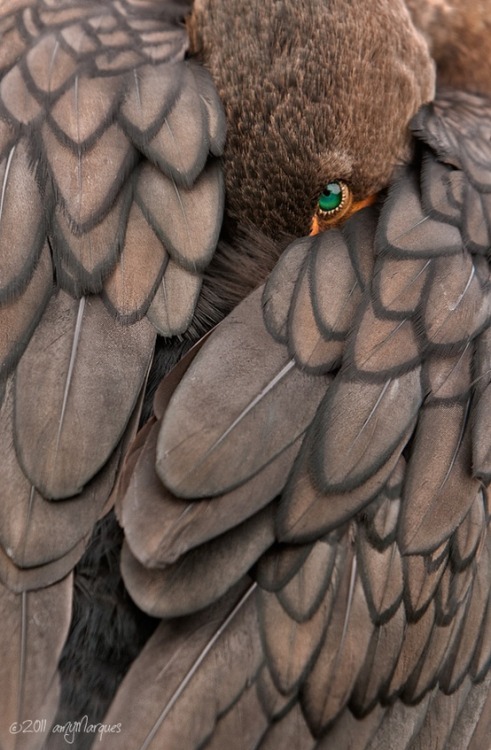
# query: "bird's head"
317,93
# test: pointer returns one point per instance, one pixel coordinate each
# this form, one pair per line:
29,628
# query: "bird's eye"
334,200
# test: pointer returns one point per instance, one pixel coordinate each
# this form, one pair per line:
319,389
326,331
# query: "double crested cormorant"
305,507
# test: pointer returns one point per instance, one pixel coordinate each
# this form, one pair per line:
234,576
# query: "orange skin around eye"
320,226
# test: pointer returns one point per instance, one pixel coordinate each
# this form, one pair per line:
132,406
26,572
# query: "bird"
257,233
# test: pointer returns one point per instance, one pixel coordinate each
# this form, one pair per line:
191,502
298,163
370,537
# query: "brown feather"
458,315
384,345
334,287
131,285
160,527
442,490
244,424
280,287
382,576
415,641
306,512
290,731
360,424
292,643
21,241
399,284
19,317
381,658
64,417
218,648
329,684
273,703
175,300
313,351
37,623
175,590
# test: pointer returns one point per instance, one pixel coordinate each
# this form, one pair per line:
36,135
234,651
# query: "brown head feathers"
313,92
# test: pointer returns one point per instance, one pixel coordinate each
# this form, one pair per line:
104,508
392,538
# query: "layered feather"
364,355
98,110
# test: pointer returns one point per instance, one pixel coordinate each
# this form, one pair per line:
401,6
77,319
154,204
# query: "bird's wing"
308,510
110,207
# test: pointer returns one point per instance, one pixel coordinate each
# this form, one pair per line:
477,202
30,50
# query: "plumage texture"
373,598
322,583
111,202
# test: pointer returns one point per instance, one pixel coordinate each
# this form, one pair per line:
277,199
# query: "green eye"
333,204
331,197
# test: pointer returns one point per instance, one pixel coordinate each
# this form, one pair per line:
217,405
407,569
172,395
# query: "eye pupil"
331,197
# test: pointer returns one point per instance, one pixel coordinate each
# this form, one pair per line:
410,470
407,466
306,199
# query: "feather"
306,512
458,664
151,94
180,147
292,644
436,195
219,647
290,731
312,350
264,414
439,720
452,590
399,726
21,241
85,110
359,426
83,260
382,655
160,528
381,573
273,703
85,198
414,644
440,646
175,590
481,661
129,289
442,491
88,335
50,66
20,104
302,595
19,318
280,287
422,574
407,232
334,289
455,306
34,531
328,686
475,229
383,347
175,300
398,285
37,623
19,580
468,534
187,220
448,378
473,724
242,726
279,564
381,517
481,408
359,233
350,733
